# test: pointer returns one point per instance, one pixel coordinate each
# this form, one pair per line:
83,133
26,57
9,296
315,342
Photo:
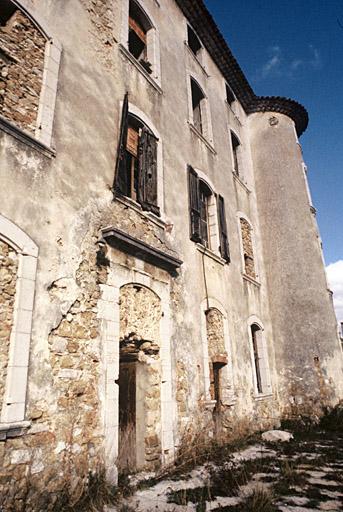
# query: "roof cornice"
204,25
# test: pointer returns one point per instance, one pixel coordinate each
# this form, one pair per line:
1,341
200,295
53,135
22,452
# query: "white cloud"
279,65
335,277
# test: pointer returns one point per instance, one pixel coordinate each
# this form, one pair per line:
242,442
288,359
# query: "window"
230,97
207,216
31,74
193,41
204,199
198,99
18,263
260,360
248,251
235,152
136,169
255,334
139,26
7,9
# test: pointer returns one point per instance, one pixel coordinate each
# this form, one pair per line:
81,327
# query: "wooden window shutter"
224,243
120,184
147,169
194,204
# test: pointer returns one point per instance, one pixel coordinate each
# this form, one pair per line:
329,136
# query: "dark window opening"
230,97
204,197
139,26
197,102
193,41
235,152
132,143
255,332
136,168
7,9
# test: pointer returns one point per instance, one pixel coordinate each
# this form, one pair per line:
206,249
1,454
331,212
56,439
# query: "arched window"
193,41
139,26
198,107
230,97
18,262
248,250
236,149
260,360
29,64
136,170
207,216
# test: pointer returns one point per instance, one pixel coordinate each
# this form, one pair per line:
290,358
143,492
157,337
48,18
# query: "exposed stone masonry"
8,278
215,333
22,48
248,249
140,313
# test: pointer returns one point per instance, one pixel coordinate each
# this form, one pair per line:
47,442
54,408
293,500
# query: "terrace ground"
302,475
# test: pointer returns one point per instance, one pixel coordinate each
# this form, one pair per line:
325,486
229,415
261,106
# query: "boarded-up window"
22,53
248,252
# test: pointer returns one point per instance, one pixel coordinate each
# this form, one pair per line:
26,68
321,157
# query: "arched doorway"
139,379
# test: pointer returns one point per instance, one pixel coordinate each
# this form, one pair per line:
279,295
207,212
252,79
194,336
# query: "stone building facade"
160,262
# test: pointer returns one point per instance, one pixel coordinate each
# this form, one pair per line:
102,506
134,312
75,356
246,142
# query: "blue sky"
294,48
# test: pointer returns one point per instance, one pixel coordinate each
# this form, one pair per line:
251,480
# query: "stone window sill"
11,430
204,250
251,280
202,138
140,68
26,138
263,396
196,60
130,203
238,179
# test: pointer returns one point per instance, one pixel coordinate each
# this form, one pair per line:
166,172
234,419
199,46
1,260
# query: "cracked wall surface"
8,279
22,48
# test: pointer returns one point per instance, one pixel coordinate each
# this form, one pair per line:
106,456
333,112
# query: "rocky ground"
302,475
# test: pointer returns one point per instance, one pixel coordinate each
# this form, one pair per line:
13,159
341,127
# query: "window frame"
236,153
255,279
206,133
227,378
152,42
138,114
42,138
13,407
265,388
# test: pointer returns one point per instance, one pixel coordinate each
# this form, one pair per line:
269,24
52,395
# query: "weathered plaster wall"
8,279
63,203
22,48
308,355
